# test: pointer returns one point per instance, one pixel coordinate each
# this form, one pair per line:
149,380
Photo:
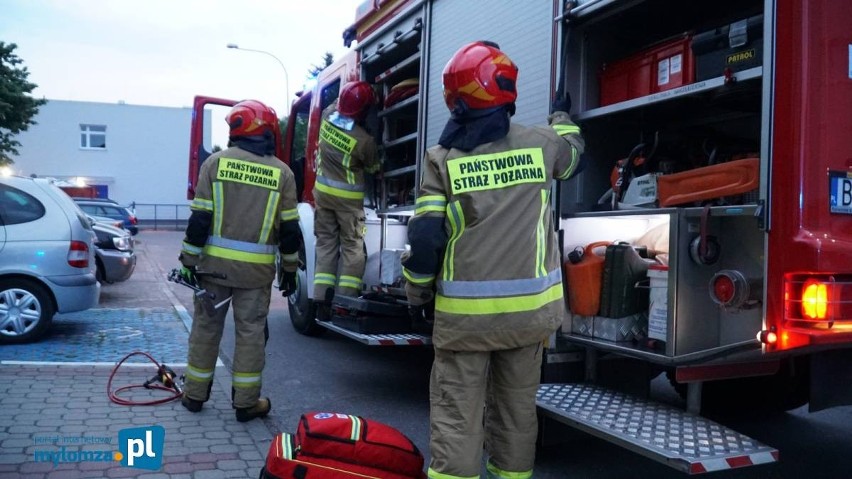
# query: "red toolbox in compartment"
663,66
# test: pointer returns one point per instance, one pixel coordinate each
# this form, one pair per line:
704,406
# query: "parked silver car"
114,254
47,257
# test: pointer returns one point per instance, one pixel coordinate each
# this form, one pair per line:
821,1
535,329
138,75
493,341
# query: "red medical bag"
341,446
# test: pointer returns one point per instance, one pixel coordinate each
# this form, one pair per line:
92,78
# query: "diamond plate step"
684,441
379,339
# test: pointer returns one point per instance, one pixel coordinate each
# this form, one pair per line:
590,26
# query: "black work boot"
191,404
194,405
323,310
260,409
323,307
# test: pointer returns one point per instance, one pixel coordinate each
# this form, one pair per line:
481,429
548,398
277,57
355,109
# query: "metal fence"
161,216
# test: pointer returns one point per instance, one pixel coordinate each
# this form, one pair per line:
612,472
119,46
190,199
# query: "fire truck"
708,238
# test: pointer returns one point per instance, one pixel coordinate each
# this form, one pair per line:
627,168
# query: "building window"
93,137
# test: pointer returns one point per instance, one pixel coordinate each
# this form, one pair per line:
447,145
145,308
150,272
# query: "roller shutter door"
523,29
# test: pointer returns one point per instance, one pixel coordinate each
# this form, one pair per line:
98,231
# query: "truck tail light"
818,299
815,299
78,254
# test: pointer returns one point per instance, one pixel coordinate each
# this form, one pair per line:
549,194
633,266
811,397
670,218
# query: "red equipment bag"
341,446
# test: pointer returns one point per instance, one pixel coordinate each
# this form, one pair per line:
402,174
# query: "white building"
131,153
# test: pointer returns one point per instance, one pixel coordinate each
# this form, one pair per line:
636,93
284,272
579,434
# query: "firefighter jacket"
244,209
483,237
345,154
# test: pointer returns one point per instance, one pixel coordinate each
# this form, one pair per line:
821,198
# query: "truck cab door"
201,132
296,142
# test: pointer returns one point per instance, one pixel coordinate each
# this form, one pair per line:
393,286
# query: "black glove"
187,274
415,313
422,318
562,102
287,283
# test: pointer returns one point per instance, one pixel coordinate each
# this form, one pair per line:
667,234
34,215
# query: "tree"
17,108
301,128
315,70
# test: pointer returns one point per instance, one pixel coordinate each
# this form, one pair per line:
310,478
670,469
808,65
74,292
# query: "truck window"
329,94
300,134
297,149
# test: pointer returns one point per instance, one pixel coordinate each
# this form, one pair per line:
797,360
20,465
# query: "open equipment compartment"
700,123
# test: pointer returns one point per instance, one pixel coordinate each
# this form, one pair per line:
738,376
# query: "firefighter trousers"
484,398
340,251
251,307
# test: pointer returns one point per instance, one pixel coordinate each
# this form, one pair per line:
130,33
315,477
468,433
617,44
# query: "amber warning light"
815,300
824,299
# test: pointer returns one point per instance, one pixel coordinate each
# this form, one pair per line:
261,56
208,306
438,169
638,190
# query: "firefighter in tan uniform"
483,239
346,152
243,212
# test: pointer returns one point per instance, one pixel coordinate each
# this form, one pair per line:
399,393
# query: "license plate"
840,192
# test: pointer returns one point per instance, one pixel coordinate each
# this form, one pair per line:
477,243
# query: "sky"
163,53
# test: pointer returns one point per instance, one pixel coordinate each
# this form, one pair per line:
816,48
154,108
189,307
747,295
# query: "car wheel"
26,311
303,311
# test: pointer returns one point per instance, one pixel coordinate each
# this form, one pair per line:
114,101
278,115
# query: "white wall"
146,155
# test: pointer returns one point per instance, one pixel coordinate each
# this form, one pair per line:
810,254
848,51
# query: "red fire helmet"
479,76
355,98
250,118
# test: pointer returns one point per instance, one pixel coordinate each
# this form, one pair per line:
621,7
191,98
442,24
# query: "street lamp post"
234,46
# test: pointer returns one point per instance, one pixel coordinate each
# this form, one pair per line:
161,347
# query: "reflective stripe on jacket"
249,197
499,283
344,156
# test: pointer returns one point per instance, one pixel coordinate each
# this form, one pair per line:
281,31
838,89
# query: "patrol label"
248,172
741,56
496,170
337,138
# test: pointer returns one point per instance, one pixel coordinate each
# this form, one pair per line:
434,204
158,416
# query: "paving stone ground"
48,408
57,415
107,335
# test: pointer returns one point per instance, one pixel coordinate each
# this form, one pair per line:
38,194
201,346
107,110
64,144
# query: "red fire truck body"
718,153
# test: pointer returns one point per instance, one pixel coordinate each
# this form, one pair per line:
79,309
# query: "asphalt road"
390,384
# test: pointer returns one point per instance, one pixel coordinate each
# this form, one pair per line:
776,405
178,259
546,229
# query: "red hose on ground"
113,395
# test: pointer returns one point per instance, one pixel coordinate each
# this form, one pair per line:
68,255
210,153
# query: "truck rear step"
669,435
379,339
